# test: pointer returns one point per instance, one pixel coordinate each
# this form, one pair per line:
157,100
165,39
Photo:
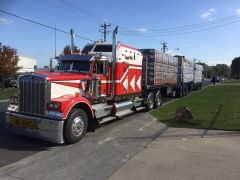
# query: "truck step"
123,113
140,108
106,119
102,110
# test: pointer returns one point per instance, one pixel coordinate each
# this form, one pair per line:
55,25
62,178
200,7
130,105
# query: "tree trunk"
2,83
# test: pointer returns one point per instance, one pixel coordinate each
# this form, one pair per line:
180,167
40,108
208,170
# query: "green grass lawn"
7,93
215,107
232,81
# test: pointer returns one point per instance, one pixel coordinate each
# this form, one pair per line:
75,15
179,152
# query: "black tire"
187,90
150,102
180,93
158,100
75,126
184,90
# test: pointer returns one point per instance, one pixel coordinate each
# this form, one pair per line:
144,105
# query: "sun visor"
76,57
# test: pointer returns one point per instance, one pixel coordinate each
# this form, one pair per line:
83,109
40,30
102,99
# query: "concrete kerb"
5,100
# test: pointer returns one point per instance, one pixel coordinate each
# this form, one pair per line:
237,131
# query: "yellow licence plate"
23,123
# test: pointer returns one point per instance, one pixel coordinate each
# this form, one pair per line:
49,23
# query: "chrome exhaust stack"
114,54
72,41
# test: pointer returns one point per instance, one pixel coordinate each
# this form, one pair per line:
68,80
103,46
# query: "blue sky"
143,17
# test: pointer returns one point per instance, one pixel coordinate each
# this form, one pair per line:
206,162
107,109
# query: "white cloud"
142,30
212,10
5,21
238,11
208,14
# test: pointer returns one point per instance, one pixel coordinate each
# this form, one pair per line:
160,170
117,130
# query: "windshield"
103,48
87,49
75,66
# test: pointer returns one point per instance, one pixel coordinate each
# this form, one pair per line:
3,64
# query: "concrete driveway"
186,154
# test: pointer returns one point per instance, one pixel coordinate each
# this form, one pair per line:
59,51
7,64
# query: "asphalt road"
14,147
96,156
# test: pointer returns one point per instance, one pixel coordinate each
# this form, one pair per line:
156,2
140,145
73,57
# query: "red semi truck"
105,81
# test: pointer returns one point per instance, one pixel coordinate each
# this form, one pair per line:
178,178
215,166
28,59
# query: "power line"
90,15
204,29
187,27
199,27
186,32
137,34
75,10
43,25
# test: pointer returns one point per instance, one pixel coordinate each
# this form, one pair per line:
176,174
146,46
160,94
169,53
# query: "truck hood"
63,76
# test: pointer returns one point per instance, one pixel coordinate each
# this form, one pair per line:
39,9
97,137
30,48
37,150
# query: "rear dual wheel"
150,102
153,101
158,100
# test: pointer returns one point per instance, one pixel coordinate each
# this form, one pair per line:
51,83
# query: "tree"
235,67
223,70
8,62
67,50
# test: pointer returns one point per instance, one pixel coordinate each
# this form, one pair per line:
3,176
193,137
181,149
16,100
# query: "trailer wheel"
184,90
187,90
180,92
150,102
75,126
158,100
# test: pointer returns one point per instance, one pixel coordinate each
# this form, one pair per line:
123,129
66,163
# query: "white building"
26,64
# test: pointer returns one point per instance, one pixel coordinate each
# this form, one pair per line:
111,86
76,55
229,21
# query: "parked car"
11,82
215,79
221,79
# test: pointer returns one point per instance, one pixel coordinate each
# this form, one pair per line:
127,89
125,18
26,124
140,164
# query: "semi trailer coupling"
105,81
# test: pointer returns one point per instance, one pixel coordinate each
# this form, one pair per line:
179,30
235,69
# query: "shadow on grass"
183,124
212,121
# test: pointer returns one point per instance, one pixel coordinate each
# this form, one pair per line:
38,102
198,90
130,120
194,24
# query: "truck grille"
33,94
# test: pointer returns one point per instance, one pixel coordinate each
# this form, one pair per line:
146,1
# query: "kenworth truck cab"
88,87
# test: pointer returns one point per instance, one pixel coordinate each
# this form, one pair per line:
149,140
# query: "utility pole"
104,30
55,30
164,47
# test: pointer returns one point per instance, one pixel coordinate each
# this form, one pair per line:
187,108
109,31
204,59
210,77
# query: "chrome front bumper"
48,129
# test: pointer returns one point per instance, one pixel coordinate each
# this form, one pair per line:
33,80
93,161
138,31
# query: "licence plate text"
23,123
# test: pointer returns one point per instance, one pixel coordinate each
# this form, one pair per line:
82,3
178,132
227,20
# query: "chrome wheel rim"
158,101
78,126
151,104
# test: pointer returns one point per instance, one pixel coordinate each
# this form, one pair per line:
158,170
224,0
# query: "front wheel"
75,126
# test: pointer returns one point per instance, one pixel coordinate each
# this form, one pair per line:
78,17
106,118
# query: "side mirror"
57,67
105,68
54,64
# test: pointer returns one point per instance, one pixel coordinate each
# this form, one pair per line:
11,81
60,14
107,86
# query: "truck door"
98,70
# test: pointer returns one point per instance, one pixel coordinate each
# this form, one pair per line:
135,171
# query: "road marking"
106,140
